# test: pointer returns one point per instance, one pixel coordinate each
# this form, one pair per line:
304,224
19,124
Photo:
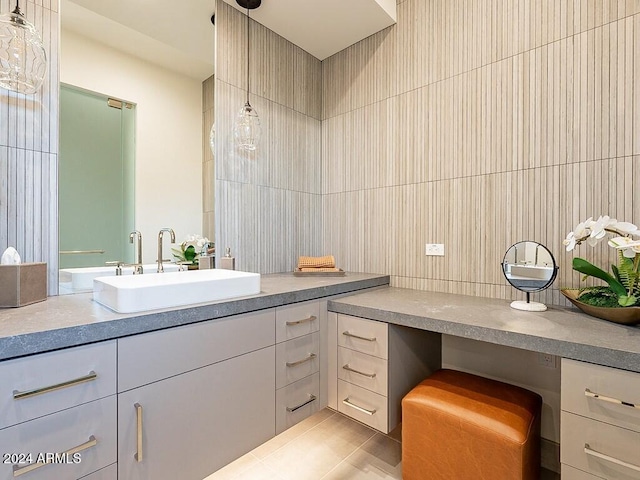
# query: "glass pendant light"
23,60
247,129
212,132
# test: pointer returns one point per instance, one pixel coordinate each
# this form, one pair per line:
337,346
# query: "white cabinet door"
192,424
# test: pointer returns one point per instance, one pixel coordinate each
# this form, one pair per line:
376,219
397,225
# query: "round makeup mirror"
529,267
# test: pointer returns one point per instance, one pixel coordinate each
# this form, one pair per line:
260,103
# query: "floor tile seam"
345,459
294,438
243,470
264,466
326,475
373,430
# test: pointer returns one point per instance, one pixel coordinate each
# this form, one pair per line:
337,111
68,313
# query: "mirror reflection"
130,52
529,266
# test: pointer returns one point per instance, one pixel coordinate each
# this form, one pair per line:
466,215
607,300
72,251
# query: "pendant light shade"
23,60
246,129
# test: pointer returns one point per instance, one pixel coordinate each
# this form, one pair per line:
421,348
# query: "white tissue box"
23,284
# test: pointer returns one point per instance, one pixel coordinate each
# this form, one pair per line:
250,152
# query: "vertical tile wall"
268,202
477,124
29,154
208,171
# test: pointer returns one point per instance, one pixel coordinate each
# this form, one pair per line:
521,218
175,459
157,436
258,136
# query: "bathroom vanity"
600,369
179,393
163,394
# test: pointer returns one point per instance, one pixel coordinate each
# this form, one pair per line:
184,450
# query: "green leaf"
627,301
616,273
190,253
582,266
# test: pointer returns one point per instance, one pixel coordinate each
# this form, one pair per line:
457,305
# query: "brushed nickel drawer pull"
617,461
309,357
348,403
17,471
52,388
138,454
349,369
590,394
312,398
368,339
304,320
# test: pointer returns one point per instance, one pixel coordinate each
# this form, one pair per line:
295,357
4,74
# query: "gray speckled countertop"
559,331
70,320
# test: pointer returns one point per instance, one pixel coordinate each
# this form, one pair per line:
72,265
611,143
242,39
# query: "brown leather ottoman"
458,426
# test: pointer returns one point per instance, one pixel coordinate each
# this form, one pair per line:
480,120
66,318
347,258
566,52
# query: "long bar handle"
312,398
308,358
590,394
349,369
80,252
138,454
17,471
304,320
589,451
348,403
368,339
52,388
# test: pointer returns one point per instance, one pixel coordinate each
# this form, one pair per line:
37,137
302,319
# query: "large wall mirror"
160,59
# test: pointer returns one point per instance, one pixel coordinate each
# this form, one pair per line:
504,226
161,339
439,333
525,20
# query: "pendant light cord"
248,43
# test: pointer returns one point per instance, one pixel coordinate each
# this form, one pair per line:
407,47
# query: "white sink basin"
82,278
531,272
137,293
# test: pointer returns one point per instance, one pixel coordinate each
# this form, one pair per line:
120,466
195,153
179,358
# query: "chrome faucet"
173,240
137,267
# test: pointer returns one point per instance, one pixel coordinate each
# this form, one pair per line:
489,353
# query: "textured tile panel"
506,121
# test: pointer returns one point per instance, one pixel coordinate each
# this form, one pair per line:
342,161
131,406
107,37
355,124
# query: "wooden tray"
297,273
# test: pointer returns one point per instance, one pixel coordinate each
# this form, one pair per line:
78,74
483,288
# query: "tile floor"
325,446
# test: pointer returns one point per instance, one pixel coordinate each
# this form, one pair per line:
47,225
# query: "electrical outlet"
434,249
547,360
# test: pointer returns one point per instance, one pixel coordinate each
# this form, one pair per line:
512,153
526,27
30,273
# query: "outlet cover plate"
434,249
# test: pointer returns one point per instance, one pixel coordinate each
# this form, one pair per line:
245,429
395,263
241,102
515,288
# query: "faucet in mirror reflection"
161,260
137,266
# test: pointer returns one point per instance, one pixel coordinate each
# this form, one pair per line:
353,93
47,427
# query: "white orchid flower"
570,241
626,227
598,228
628,246
202,241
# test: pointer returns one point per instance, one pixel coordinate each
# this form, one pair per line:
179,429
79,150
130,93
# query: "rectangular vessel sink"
138,293
81,278
532,271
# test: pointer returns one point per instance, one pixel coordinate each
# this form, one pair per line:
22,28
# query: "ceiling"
324,27
180,40
183,39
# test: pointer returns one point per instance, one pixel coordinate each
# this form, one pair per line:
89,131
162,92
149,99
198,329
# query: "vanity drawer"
90,428
570,473
580,435
363,370
296,320
297,358
580,381
366,336
65,378
363,405
297,401
149,357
